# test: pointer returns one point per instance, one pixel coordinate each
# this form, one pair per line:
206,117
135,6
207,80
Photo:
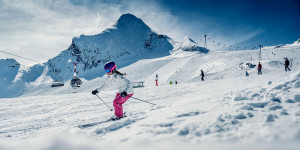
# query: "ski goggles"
110,70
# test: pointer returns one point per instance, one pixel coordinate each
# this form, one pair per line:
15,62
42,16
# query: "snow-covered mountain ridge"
294,45
125,42
8,71
188,44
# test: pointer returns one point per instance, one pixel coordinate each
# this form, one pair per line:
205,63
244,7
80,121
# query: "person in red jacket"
259,68
156,80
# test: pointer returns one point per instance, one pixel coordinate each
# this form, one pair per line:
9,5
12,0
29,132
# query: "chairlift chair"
57,83
75,82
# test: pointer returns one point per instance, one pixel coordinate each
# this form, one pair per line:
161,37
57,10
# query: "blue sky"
40,29
275,21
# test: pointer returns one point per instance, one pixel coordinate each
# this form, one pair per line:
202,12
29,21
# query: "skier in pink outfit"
117,80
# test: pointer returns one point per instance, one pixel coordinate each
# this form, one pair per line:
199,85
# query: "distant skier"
116,79
171,83
175,82
286,64
247,74
202,75
259,68
156,80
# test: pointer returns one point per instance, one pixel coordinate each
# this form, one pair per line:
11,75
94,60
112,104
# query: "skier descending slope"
156,79
116,79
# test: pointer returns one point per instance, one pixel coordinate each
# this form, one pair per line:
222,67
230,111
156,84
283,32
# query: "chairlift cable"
89,84
21,57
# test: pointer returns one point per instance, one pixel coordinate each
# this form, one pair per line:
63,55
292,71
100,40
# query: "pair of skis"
109,120
88,125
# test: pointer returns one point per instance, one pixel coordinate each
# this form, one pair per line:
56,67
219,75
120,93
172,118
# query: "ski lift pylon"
75,82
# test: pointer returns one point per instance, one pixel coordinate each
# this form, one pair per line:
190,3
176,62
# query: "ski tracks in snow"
270,107
195,111
245,111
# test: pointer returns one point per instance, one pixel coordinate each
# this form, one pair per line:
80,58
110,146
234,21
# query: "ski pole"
104,103
143,101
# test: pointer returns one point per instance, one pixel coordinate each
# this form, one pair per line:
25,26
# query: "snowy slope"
227,111
185,66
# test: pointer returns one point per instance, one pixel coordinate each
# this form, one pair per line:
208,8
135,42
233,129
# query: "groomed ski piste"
226,111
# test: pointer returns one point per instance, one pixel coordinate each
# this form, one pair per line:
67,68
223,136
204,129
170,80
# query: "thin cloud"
42,29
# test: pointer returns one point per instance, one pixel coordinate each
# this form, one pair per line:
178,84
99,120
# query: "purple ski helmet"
109,67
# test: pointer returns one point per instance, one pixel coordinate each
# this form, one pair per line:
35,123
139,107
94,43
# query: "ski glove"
95,92
124,94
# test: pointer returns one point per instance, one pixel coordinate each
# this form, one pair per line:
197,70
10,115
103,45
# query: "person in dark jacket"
202,75
259,67
286,64
247,74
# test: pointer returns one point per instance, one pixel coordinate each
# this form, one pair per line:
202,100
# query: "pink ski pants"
119,100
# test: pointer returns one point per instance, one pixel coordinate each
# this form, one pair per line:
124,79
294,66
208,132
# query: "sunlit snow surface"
227,111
